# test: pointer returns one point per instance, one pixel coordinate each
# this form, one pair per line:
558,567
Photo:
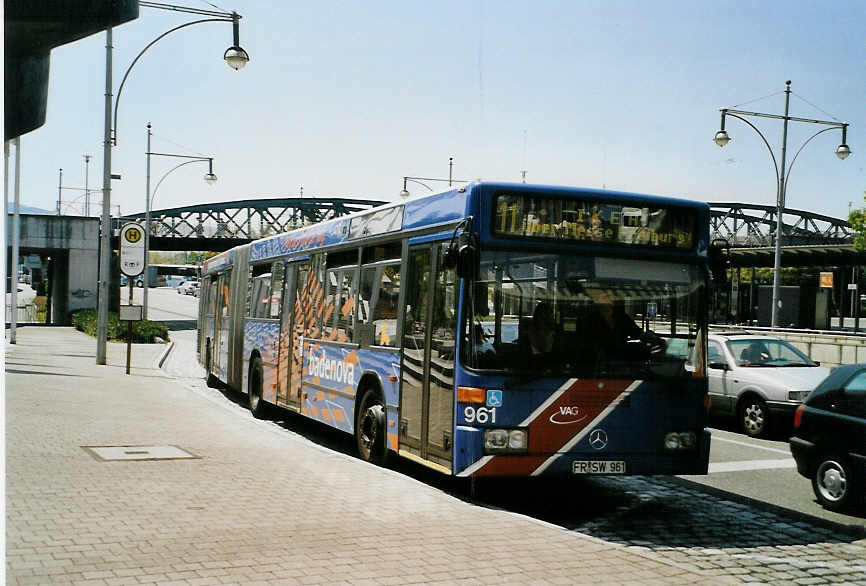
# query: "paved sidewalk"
256,506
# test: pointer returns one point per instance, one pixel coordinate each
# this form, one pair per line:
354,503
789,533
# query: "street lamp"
209,178
721,138
404,193
234,56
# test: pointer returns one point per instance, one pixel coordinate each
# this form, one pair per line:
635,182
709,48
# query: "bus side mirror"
467,255
720,261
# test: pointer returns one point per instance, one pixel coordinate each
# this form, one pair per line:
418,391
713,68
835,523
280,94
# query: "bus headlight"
680,441
505,440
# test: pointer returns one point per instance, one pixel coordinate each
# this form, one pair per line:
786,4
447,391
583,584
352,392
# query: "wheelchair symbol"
494,398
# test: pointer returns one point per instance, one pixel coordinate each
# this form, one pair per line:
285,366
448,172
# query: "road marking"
744,465
740,443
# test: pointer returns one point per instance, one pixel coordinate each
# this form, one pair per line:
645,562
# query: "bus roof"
444,207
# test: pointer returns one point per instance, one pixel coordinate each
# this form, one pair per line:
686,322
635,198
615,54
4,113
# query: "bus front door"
294,325
427,386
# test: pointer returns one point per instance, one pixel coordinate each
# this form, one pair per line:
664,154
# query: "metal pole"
105,243
16,237
59,190
780,206
129,330
450,169
146,278
5,271
86,190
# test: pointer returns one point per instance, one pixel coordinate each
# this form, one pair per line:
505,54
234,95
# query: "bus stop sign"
132,249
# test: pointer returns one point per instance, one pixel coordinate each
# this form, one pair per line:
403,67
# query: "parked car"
760,380
829,440
188,287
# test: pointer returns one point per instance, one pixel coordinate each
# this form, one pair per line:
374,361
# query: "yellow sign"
133,235
825,280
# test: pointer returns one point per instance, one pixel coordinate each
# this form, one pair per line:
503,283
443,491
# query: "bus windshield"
585,316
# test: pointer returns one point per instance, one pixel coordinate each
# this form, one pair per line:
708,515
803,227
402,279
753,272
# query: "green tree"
857,219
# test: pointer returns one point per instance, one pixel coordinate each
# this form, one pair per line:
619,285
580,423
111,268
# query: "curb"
847,529
165,354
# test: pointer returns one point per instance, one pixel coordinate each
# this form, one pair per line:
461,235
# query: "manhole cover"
115,453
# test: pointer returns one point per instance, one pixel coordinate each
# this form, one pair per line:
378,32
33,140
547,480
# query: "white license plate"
598,467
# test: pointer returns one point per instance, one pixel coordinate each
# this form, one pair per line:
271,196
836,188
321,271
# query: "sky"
343,99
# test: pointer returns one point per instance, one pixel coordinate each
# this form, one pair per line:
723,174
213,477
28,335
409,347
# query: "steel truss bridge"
223,225
807,238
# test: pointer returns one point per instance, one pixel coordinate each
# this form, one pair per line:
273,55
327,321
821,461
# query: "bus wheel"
212,381
257,405
370,429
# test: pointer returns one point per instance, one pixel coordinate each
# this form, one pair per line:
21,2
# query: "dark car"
829,441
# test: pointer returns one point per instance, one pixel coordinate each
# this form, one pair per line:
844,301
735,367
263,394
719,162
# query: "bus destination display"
594,221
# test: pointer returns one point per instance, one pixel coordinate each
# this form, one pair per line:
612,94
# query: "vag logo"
567,415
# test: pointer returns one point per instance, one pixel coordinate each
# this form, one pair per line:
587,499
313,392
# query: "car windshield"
596,317
762,352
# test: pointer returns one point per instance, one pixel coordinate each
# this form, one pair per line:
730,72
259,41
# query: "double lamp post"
842,151
234,56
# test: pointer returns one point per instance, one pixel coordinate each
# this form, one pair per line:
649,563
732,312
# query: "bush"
143,332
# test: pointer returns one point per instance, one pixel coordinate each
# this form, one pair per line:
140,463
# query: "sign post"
131,265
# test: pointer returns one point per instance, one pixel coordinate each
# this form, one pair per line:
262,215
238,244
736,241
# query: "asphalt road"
758,469
166,304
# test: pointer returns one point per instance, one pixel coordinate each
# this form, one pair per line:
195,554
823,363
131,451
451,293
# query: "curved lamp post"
404,193
234,56
209,178
842,151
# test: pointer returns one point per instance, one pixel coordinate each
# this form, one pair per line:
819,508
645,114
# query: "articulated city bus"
493,329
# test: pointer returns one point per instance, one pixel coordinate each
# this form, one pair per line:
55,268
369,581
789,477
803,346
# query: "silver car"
759,379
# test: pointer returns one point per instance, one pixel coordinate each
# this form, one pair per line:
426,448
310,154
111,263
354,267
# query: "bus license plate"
598,467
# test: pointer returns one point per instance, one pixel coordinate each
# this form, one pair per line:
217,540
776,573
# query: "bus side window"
377,305
346,306
277,272
259,292
331,300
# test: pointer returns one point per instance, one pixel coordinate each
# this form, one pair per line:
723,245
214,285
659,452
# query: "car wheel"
753,417
370,428
836,484
256,382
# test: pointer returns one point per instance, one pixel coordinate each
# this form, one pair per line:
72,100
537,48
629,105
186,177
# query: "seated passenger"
755,353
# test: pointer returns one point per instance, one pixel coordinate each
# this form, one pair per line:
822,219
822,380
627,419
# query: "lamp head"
843,151
236,57
721,138
210,178
404,193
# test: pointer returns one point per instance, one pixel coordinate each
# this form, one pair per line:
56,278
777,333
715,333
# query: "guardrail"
829,347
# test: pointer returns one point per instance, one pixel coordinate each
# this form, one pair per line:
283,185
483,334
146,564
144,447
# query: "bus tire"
212,381
256,382
370,428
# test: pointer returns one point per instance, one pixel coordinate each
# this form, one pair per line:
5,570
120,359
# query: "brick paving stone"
318,516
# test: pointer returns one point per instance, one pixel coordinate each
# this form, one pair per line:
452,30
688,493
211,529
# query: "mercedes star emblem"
598,439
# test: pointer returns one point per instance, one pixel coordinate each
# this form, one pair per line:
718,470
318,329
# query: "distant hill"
28,209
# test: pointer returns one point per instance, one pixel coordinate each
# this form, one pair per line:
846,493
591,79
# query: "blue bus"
494,329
